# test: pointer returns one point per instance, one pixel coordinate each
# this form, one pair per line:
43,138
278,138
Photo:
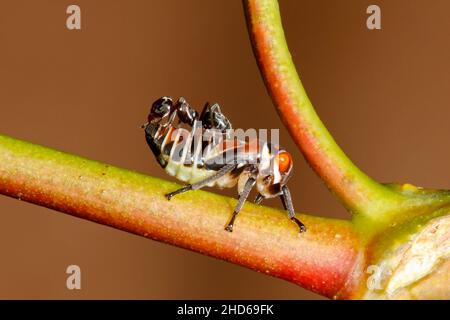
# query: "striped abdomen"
177,154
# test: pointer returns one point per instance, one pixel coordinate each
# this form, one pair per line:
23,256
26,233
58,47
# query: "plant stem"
358,192
323,259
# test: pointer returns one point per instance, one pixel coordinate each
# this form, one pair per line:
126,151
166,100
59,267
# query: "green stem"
326,259
358,192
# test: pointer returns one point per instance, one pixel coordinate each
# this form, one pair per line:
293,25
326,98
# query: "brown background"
383,95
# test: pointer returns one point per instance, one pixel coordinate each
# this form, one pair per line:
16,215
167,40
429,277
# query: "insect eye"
284,161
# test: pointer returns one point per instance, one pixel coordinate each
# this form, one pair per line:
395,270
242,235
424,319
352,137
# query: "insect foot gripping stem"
242,198
230,224
181,190
287,203
301,226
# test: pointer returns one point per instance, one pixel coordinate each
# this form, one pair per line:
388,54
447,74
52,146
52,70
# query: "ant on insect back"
222,162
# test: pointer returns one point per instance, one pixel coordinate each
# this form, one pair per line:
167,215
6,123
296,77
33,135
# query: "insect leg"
259,198
223,171
287,202
242,197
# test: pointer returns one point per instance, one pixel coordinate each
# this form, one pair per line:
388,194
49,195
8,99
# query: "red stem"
264,239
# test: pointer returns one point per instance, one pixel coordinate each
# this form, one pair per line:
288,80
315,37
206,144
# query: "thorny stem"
263,239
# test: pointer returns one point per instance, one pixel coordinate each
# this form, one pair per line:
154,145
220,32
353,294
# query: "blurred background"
383,94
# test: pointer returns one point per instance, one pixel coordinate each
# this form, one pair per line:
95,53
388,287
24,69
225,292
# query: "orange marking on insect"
176,134
284,161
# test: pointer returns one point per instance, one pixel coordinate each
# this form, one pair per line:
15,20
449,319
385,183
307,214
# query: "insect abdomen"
187,173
